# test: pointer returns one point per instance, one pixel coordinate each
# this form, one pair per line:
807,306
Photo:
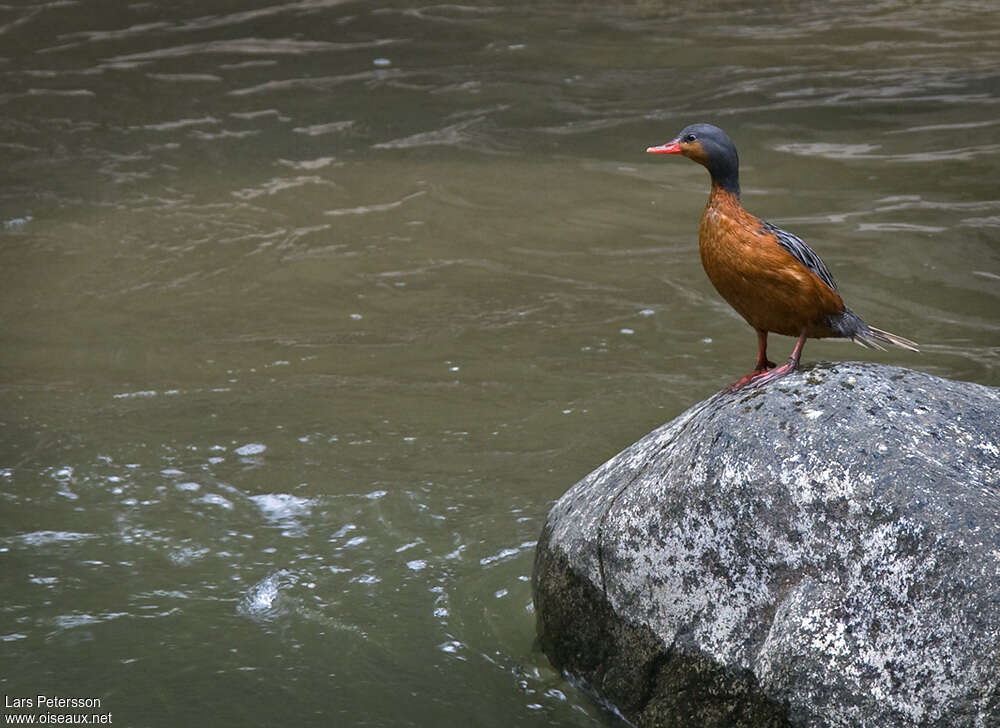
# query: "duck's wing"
802,252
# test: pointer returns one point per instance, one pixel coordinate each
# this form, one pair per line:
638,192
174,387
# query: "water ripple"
264,599
37,539
281,184
332,127
377,207
452,135
244,46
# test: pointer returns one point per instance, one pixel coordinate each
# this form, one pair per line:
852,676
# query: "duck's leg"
789,366
763,364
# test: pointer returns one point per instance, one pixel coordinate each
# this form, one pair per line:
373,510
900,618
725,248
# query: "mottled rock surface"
821,552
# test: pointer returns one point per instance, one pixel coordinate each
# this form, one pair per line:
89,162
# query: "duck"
772,278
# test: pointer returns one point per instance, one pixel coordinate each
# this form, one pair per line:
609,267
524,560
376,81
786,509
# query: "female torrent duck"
773,279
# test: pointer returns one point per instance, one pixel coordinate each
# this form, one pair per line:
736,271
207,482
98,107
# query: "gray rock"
821,552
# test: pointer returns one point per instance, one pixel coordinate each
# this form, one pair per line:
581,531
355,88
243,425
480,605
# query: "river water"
310,310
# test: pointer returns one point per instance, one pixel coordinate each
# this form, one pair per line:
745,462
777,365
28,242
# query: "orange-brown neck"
726,202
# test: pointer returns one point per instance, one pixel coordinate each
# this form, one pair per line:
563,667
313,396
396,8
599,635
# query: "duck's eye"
689,137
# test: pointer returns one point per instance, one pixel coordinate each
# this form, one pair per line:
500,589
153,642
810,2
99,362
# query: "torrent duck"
771,277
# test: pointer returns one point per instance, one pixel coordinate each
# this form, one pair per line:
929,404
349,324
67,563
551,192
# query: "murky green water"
311,309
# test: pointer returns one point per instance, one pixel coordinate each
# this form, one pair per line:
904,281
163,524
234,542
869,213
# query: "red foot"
752,377
742,382
760,377
776,373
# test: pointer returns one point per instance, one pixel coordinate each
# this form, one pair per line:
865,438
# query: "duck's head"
711,147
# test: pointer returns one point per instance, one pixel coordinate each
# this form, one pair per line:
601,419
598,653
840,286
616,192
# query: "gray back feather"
802,252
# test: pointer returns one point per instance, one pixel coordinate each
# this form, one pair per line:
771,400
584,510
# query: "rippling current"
311,309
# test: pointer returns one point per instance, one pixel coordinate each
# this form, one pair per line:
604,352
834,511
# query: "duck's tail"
872,338
849,325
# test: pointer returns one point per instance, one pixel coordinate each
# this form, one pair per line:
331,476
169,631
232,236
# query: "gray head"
711,147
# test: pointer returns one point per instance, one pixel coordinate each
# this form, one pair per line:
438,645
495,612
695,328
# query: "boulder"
824,551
